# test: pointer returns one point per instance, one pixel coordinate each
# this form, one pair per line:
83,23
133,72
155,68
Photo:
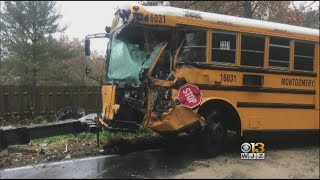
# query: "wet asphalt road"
168,162
156,163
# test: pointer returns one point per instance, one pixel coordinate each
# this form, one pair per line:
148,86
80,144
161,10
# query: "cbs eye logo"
253,147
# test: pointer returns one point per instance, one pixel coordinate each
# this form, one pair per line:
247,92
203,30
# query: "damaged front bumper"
177,119
174,119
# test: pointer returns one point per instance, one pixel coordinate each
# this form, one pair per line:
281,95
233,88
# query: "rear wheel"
213,135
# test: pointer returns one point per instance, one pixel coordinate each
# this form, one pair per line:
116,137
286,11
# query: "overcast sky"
83,18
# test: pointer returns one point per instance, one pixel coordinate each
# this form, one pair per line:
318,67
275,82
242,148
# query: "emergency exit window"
224,45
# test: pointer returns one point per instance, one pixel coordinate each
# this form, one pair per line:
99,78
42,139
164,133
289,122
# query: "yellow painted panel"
317,69
270,80
177,118
109,108
236,96
280,118
268,118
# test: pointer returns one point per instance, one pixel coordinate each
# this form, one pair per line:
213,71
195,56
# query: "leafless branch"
232,9
255,6
192,3
310,4
267,5
214,3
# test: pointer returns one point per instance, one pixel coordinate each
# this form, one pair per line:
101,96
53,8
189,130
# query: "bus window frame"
264,51
281,46
193,28
314,55
221,31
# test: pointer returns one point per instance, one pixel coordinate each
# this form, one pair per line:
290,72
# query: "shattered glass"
127,61
70,112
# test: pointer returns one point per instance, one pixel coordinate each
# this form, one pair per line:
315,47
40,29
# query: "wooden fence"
24,102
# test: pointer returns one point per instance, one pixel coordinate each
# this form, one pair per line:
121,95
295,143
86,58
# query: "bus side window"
224,45
279,53
252,50
163,68
303,56
194,48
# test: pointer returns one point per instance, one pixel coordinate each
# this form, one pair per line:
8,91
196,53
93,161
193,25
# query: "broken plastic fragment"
68,156
66,150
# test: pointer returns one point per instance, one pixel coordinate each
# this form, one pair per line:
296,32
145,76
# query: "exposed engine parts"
162,100
132,96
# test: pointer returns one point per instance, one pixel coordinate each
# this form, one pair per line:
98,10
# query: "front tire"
213,135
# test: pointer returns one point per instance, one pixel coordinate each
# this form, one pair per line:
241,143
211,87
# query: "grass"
104,136
79,145
15,120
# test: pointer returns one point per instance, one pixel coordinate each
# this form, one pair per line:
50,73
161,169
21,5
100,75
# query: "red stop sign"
189,96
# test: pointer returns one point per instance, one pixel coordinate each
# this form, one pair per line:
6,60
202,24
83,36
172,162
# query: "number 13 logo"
253,147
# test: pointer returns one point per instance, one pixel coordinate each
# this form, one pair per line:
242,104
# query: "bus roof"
173,11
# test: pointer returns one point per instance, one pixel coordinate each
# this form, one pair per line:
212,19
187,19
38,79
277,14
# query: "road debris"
68,156
66,149
41,152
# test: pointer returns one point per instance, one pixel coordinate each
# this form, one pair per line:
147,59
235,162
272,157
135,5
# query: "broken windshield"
132,52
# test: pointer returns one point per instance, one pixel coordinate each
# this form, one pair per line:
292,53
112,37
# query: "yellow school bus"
177,70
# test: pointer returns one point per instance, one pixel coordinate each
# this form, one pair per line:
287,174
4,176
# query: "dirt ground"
36,153
21,155
16,156
287,157
293,163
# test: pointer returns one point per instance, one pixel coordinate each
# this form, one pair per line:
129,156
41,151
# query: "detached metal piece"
22,135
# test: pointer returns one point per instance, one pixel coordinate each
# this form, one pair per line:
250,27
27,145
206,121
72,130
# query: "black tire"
213,135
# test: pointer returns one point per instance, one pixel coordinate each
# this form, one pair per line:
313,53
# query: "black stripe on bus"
255,89
247,69
282,132
275,105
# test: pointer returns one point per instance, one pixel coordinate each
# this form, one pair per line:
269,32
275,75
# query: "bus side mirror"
88,70
87,47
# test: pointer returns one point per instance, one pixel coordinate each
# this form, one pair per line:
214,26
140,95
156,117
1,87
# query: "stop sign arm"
190,96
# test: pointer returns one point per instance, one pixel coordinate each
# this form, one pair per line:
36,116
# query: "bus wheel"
213,135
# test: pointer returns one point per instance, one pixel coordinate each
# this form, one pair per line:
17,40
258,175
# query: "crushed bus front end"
140,80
